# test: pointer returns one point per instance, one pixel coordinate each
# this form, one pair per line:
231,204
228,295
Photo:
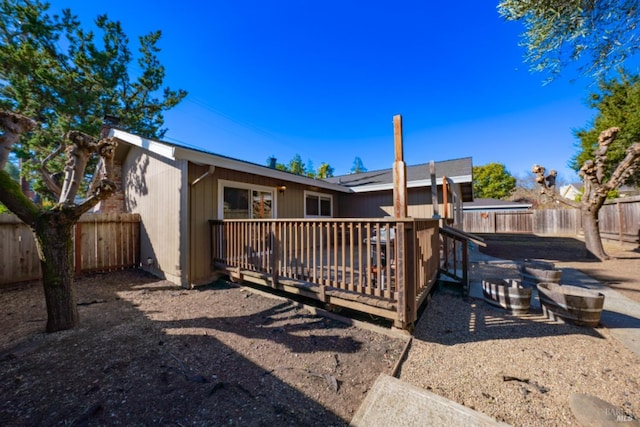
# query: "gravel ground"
521,370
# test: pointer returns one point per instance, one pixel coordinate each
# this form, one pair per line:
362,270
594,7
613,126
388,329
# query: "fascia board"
156,147
233,164
411,184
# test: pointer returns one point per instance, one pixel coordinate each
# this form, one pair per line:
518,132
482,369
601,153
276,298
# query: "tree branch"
547,185
626,167
15,200
47,178
78,154
13,125
106,186
605,138
103,191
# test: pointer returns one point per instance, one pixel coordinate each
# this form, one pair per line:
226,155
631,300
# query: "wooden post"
405,275
275,253
445,197
434,190
399,172
621,223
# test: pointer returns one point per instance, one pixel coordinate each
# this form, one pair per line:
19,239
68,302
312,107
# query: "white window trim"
245,186
323,195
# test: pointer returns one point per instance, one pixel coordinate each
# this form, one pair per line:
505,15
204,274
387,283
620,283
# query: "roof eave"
463,179
175,152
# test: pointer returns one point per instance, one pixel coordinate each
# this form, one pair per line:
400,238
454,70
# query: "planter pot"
571,303
508,294
534,272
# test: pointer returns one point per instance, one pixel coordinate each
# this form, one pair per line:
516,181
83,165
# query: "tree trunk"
592,239
53,233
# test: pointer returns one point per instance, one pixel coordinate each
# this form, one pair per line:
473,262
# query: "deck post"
405,276
275,254
399,172
434,190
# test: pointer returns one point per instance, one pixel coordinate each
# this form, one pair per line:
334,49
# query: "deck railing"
384,267
455,256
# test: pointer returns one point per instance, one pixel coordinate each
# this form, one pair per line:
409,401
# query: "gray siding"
380,204
203,203
153,187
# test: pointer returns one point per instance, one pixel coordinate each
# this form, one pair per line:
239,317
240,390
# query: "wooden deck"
385,267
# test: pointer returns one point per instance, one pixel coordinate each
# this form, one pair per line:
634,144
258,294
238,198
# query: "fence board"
102,242
619,219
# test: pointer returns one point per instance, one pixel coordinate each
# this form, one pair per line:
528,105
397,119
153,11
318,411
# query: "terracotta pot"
571,303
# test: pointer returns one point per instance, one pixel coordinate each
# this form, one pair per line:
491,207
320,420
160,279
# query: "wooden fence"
619,220
102,242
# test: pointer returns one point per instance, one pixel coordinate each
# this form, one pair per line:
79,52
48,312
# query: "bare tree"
53,227
597,186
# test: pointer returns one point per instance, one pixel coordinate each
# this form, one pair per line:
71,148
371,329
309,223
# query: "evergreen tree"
57,73
358,166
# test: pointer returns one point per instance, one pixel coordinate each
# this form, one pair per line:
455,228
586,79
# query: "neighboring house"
178,189
571,191
629,191
493,205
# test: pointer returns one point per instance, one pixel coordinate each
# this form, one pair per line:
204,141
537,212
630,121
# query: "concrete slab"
592,411
392,402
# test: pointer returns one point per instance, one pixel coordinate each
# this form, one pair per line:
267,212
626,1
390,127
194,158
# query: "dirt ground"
149,353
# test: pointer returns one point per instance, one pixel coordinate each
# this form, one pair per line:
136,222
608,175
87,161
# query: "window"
318,205
245,201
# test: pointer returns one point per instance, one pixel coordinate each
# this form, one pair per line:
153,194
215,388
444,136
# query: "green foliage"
358,166
297,167
67,78
492,181
325,170
618,104
596,35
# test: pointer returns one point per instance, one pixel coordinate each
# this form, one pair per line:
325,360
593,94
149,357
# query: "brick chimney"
115,203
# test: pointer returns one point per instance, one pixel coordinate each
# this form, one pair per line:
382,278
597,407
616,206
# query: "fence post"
621,224
494,217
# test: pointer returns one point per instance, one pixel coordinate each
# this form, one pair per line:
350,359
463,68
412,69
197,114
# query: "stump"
571,303
534,272
508,294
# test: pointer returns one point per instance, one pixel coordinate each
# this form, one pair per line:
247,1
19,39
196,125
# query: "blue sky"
324,80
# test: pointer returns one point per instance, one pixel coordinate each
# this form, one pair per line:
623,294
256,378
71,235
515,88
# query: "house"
177,190
495,205
574,191
571,191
